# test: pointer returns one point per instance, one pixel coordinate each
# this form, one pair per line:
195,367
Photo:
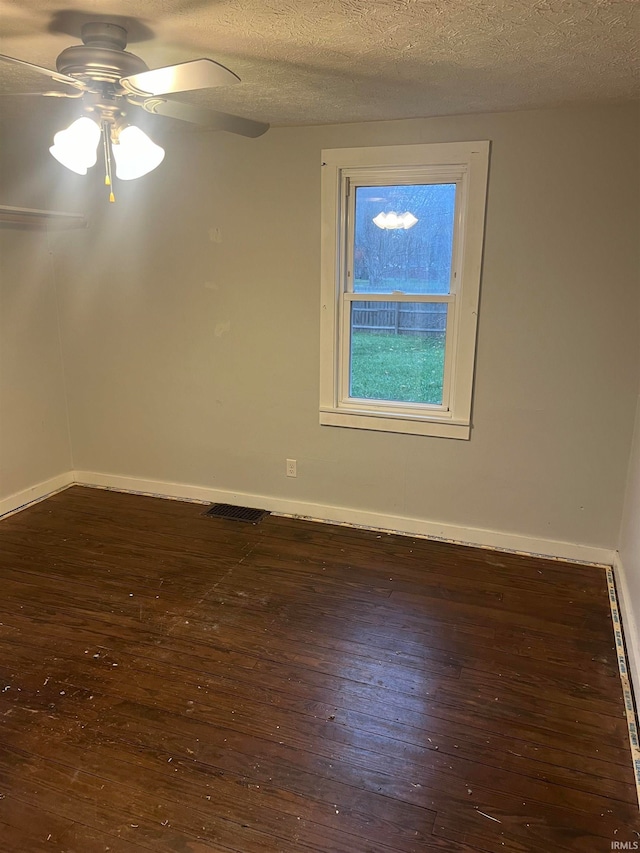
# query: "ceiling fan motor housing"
102,57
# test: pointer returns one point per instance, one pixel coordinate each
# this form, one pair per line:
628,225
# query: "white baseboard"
478,537
23,499
629,624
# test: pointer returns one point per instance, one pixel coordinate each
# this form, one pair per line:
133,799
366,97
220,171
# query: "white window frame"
343,169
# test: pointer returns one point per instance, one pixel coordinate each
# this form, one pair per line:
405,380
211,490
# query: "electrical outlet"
292,468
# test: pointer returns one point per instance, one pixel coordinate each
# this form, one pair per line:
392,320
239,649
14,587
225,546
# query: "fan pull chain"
106,138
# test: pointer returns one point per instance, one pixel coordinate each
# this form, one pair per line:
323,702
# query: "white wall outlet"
292,468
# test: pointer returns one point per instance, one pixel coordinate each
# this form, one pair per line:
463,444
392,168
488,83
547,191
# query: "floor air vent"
237,513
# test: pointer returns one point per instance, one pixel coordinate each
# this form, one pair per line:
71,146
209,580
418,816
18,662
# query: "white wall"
196,361
35,451
34,434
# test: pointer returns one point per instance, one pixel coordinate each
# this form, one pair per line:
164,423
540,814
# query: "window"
402,232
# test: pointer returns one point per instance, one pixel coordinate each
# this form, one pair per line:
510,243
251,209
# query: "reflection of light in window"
392,220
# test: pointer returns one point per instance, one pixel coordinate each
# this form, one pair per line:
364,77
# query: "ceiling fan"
112,83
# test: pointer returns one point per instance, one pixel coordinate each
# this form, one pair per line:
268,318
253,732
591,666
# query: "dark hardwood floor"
170,682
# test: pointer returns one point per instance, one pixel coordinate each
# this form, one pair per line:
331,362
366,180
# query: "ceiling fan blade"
184,77
211,119
52,94
54,75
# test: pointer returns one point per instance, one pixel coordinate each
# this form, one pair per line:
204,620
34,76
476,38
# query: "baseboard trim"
476,537
21,500
626,640
629,624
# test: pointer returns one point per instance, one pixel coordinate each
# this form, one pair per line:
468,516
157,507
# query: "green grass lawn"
406,368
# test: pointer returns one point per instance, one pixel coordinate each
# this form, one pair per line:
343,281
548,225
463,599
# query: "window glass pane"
397,351
403,238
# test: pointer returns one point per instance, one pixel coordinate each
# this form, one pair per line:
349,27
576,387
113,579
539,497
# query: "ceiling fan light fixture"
135,154
76,147
110,80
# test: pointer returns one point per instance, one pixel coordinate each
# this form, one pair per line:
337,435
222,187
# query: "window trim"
435,163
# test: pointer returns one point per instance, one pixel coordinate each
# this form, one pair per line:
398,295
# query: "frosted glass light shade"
77,146
392,221
135,154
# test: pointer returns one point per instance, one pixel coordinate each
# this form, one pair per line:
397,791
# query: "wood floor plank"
175,683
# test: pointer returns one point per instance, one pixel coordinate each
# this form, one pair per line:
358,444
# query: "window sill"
437,427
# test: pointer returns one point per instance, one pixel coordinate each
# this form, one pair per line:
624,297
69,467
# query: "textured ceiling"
310,62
